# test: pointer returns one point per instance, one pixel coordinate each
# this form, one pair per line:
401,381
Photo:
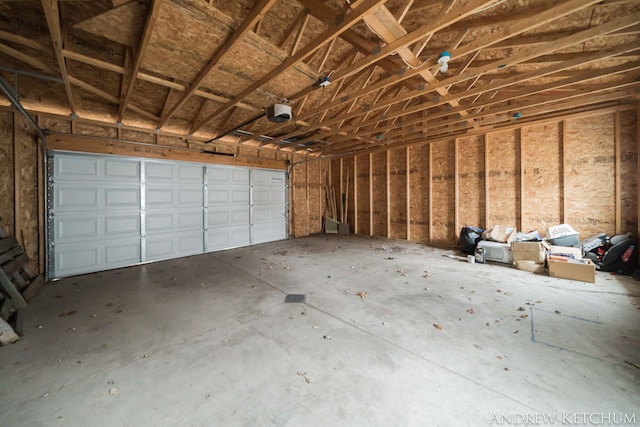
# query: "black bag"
469,238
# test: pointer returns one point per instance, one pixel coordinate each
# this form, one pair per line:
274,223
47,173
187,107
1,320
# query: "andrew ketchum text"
565,418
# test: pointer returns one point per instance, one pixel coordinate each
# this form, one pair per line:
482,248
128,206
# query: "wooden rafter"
260,8
52,14
152,16
567,41
331,33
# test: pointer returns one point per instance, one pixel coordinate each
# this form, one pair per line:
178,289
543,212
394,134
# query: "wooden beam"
430,192
52,14
152,16
553,13
107,146
296,41
388,189
487,206
456,187
334,30
258,11
370,194
14,53
104,95
355,191
407,182
618,173
521,149
564,170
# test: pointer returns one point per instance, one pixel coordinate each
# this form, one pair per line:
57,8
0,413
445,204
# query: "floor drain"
295,298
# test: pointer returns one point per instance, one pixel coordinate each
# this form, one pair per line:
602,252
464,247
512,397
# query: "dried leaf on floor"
437,325
521,309
362,294
470,311
114,391
67,313
304,375
524,316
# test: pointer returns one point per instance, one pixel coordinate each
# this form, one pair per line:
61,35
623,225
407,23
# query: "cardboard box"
531,266
500,233
583,270
529,251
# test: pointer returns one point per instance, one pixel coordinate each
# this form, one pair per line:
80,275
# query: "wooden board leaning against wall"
582,171
22,190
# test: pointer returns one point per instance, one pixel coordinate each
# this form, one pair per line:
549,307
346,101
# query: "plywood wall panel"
398,193
379,194
27,211
135,136
419,192
7,177
590,191
542,163
54,125
443,192
503,175
301,214
246,150
97,131
471,207
363,194
629,170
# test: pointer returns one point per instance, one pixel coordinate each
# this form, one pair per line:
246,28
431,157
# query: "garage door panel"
190,197
226,238
122,225
74,168
96,255
264,214
74,198
70,228
171,245
124,252
263,233
110,211
172,173
122,198
268,177
122,170
227,217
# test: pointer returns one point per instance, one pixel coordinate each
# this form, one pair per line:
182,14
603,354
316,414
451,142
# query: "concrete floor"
207,340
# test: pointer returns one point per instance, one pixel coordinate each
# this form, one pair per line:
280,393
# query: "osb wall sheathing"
362,164
419,183
589,175
398,201
542,164
7,178
379,178
299,197
443,192
514,178
316,196
471,188
504,178
629,171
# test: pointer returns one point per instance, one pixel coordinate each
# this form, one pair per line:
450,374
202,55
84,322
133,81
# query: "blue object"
517,115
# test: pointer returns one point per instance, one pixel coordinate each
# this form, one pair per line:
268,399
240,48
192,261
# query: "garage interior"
169,167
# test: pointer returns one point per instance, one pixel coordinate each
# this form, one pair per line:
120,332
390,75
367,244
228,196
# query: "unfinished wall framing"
22,182
581,170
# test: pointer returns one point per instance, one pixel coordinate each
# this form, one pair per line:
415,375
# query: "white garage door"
109,211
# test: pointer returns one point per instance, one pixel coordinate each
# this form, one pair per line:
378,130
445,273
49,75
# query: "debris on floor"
437,325
114,391
304,375
470,311
326,337
362,294
67,313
